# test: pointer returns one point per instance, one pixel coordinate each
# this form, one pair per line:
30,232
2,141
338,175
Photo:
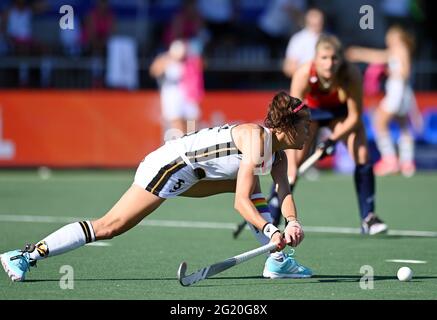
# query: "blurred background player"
301,49
180,75
332,88
193,166
399,101
302,45
279,20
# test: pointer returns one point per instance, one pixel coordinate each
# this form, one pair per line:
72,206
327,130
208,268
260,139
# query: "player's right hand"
293,233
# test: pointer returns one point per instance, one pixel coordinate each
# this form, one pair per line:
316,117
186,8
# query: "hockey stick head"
182,273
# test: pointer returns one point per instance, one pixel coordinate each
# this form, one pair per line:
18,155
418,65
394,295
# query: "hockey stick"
209,271
239,228
309,162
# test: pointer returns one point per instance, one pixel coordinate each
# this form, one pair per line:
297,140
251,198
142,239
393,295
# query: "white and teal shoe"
287,268
16,263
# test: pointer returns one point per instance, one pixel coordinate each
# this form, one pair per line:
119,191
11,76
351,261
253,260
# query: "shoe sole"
9,272
273,275
408,174
379,231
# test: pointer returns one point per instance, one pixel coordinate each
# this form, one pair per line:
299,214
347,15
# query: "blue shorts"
324,116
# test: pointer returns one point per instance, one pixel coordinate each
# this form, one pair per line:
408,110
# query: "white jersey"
399,97
209,154
302,46
175,103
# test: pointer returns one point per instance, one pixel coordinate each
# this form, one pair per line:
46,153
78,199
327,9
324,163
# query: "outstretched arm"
289,66
354,103
246,180
293,231
157,68
367,55
299,83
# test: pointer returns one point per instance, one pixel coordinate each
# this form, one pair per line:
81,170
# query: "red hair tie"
298,108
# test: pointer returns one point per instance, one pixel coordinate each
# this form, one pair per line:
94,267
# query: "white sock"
261,205
385,145
67,238
406,148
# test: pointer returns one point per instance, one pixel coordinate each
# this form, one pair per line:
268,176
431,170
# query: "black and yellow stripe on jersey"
203,154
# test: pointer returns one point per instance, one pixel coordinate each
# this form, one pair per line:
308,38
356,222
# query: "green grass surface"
142,263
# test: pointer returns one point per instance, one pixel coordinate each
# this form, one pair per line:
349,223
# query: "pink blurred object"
386,166
372,78
193,78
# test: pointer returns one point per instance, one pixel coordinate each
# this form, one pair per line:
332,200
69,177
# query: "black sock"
365,188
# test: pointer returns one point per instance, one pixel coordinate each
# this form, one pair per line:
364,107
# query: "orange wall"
79,128
107,128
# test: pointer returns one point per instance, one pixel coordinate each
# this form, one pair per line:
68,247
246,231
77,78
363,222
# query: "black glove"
328,147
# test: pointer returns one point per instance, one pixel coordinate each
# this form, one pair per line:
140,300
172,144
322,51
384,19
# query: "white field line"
406,261
99,244
207,225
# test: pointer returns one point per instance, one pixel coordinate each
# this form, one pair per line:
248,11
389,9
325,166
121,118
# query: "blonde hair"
327,40
406,37
331,41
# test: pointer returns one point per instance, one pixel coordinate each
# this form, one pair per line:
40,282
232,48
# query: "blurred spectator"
71,39
18,26
17,22
219,17
122,63
179,72
302,45
279,21
99,26
186,24
398,103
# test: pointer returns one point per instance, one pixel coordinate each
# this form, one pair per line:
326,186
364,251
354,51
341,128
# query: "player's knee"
105,230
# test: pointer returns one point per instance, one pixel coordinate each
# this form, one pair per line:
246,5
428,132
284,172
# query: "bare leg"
357,146
406,148
133,206
174,129
389,162
179,124
364,180
382,121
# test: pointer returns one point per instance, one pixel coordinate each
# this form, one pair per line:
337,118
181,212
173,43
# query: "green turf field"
142,263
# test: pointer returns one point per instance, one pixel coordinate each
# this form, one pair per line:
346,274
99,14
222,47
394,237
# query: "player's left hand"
293,233
327,146
278,239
